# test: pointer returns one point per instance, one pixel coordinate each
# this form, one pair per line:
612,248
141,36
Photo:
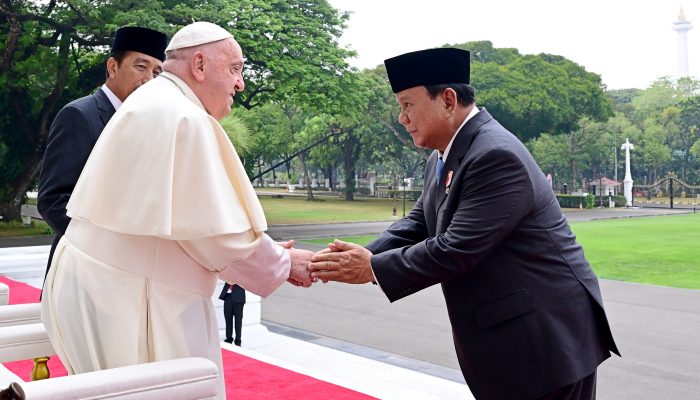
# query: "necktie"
438,170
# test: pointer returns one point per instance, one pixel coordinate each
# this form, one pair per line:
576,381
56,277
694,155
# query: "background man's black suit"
233,311
525,307
72,136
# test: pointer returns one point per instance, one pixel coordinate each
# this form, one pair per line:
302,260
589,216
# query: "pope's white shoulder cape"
164,167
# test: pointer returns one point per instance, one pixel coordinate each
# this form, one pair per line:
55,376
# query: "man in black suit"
136,57
525,307
234,300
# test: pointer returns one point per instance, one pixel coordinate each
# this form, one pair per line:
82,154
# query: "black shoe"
237,343
228,340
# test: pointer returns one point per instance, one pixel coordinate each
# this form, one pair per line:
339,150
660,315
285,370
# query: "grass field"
655,250
361,240
287,210
297,210
16,228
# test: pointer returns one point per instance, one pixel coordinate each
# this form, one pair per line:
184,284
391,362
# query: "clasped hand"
342,262
299,274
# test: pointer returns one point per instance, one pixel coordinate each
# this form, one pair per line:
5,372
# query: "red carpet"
246,378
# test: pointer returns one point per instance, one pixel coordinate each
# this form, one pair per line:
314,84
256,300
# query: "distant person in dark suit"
136,57
524,304
234,300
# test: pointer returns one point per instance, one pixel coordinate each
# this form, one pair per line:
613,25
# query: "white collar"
184,88
112,97
449,145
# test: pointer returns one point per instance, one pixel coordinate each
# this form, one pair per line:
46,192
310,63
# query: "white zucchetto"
197,33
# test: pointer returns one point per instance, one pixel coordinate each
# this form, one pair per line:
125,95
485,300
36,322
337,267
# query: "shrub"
569,201
412,195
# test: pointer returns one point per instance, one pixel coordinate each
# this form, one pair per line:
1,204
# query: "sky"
629,43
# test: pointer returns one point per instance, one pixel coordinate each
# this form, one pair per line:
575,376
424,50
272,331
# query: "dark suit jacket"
237,294
72,136
525,307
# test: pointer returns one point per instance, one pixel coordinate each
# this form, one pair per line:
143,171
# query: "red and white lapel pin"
448,181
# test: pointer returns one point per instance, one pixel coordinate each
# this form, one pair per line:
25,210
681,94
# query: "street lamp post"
404,196
615,153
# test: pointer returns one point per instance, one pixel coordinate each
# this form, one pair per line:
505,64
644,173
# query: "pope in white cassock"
162,209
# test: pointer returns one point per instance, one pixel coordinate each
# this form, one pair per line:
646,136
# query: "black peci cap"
142,40
428,67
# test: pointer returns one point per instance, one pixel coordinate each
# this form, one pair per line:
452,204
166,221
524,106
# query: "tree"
534,94
291,48
581,147
695,150
621,100
688,134
550,151
663,93
271,141
663,141
54,51
51,51
484,52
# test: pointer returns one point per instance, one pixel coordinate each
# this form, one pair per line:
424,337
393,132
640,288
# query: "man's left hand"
346,262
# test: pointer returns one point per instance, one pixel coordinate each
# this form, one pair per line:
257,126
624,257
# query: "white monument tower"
682,27
627,146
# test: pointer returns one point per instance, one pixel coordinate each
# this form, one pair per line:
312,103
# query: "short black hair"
118,56
465,92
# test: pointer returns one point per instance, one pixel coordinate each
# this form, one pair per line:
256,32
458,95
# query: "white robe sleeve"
259,264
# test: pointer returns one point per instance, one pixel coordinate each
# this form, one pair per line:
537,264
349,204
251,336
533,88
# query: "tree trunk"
329,176
349,180
351,151
289,173
10,209
307,182
35,131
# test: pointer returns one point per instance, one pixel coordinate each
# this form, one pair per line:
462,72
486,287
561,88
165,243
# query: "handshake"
341,262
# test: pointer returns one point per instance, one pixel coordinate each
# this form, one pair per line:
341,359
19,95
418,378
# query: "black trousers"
233,311
583,389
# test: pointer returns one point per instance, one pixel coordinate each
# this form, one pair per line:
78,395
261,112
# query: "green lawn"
655,250
297,210
287,210
16,228
361,240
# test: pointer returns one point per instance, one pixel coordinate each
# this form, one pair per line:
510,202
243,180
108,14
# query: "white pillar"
627,146
682,26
